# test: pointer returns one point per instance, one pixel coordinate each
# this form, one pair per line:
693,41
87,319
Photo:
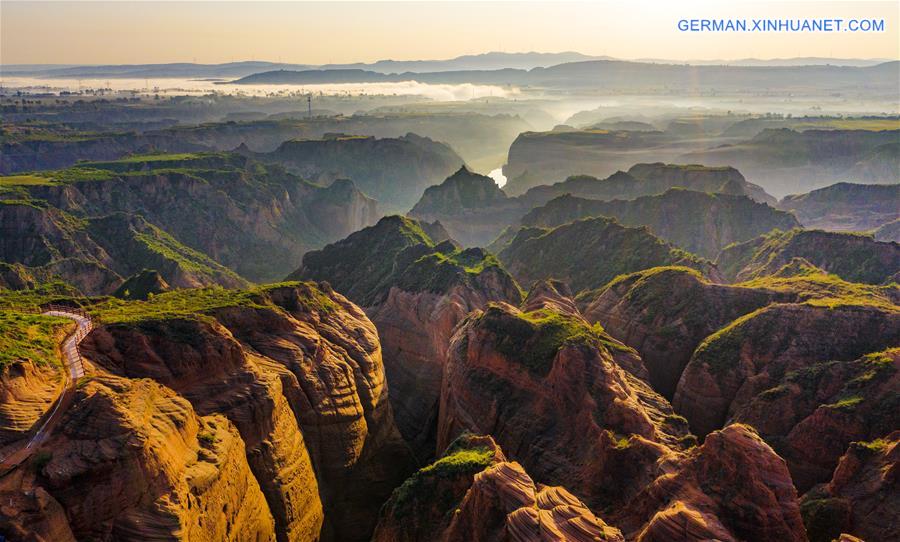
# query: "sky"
125,32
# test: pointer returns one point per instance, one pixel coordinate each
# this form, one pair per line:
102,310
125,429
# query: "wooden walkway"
74,371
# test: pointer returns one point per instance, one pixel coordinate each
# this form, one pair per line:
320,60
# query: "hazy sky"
81,32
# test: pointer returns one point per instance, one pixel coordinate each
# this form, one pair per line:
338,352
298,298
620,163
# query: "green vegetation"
861,382
855,387
854,257
620,442
457,461
189,205
824,517
31,300
63,176
115,245
34,204
39,131
876,446
146,164
363,265
33,337
438,272
460,461
846,403
661,275
162,160
676,423
720,350
162,157
606,249
396,252
534,338
652,290
24,180
163,244
816,287
875,364
78,174
196,303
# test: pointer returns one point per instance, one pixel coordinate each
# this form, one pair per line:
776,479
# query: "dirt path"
75,370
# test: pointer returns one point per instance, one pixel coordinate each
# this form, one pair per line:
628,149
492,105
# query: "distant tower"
309,105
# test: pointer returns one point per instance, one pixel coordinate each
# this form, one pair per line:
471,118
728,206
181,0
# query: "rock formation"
786,161
394,171
95,254
133,461
852,257
194,210
666,312
469,205
546,386
416,292
748,356
889,232
476,211
27,390
543,253
862,496
545,158
733,487
846,206
472,493
30,379
698,222
298,372
142,285
824,407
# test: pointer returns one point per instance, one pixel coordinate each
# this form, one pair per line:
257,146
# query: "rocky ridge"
416,291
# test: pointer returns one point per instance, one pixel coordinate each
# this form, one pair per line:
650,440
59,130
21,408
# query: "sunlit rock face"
297,372
416,289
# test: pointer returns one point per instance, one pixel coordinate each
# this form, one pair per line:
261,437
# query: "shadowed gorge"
415,291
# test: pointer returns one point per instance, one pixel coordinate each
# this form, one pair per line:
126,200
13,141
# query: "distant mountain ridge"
165,70
612,74
493,60
794,61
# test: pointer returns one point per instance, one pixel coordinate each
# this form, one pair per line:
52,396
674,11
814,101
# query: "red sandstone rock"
862,498
733,487
572,416
302,379
744,359
473,494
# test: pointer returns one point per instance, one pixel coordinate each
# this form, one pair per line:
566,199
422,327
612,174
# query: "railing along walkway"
74,370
